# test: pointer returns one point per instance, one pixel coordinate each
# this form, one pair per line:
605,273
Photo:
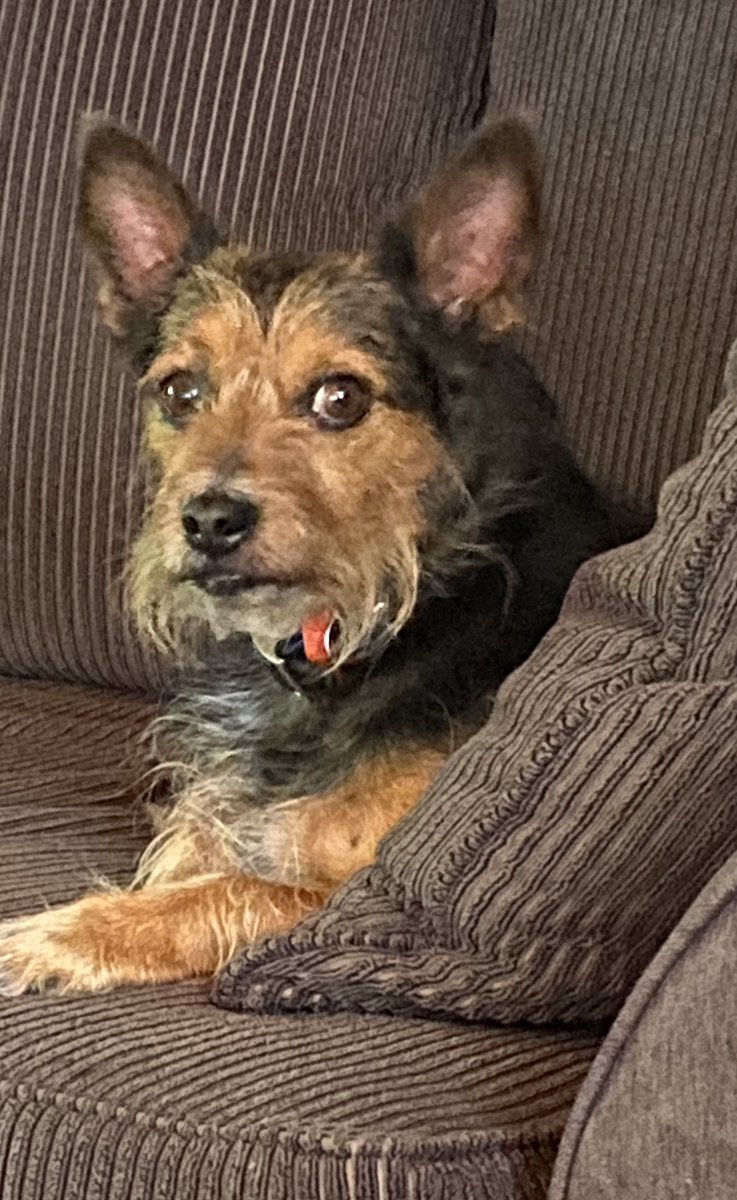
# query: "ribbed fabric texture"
72,765
635,303
154,1093
651,1120
298,122
560,846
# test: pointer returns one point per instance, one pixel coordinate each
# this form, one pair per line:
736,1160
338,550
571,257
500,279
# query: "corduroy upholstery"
635,304
299,123
655,1117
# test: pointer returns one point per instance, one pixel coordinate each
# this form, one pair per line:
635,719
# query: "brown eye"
179,396
340,402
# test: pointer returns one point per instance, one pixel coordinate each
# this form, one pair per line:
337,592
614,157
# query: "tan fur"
326,838
183,928
153,936
310,533
346,516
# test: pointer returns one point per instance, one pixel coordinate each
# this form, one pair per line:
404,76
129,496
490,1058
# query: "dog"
361,519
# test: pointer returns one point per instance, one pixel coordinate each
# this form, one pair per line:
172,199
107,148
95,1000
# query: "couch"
300,122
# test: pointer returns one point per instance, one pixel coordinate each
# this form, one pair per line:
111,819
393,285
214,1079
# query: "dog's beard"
370,594
179,617
370,600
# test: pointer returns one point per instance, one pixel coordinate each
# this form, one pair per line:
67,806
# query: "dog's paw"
187,930
51,951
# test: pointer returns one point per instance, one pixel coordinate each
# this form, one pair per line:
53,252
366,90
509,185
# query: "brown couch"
300,123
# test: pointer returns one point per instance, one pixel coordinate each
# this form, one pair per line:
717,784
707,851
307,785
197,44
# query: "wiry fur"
371,585
440,528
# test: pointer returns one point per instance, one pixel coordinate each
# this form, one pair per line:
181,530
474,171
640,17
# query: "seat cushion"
157,1094
70,765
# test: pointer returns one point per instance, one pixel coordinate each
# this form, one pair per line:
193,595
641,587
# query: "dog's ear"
469,240
139,226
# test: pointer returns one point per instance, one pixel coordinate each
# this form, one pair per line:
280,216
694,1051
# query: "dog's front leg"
157,934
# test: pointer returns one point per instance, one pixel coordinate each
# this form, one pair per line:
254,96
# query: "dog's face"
298,460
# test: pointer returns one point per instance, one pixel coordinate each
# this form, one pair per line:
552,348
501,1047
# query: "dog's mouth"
286,618
282,616
233,583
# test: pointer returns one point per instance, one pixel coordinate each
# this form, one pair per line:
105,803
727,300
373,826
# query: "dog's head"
293,417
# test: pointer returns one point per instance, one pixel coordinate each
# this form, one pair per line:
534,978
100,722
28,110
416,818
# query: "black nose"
215,522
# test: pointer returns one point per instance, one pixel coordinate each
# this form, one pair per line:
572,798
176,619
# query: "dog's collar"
302,662
288,661
292,666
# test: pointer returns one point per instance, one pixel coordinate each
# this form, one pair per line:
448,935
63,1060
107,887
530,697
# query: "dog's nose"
216,522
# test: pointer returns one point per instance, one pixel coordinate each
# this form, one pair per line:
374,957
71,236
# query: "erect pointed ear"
140,228
474,229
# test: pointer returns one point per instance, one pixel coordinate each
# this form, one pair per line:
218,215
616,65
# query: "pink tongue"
316,637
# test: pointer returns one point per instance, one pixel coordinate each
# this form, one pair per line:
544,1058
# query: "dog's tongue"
316,637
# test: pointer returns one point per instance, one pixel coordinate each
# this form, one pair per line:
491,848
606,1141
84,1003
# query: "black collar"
292,667
294,670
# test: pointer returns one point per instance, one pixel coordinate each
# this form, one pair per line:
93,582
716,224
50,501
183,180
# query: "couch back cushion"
635,304
298,124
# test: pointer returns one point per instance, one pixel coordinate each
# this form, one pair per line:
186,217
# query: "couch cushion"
635,303
70,764
154,1093
158,1095
298,124
656,1115
559,847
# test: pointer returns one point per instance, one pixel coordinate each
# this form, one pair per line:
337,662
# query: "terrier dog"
361,518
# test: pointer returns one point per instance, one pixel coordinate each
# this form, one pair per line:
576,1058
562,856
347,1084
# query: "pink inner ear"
470,254
148,240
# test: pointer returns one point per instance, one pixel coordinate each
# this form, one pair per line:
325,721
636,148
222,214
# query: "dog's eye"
340,402
179,396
